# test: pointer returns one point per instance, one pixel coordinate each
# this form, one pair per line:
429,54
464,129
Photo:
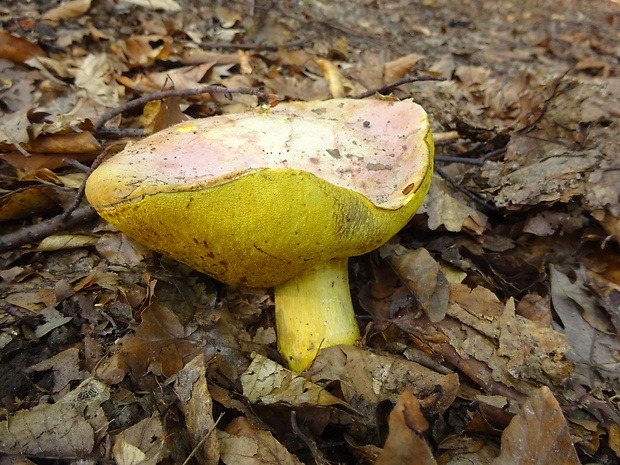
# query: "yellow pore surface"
262,228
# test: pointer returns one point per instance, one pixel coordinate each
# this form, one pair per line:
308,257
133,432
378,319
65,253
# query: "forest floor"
490,323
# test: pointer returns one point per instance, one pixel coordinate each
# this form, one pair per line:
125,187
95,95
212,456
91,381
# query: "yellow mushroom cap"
257,198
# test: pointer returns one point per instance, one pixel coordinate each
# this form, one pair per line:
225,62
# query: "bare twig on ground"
479,161
399,82
465,191
79,195
41,230
271,48
141,101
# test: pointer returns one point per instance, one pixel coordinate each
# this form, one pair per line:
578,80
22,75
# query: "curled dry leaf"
164,5
29,201
197,405
517,350
58,430
244,444
66,367
17,49
65,241
366,379
67,10
333,76
161,344
47,430
423,277
141,444
445,207
538,434
405,444
271,383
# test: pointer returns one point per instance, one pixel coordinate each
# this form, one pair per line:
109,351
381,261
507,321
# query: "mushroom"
278,196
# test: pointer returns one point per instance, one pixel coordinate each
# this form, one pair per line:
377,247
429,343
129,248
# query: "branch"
392,85
141,101
46,228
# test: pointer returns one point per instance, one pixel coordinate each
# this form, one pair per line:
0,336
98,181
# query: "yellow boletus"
278,197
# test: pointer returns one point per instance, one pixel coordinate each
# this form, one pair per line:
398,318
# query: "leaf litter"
490,322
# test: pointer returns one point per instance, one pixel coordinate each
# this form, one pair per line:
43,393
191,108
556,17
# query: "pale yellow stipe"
314,311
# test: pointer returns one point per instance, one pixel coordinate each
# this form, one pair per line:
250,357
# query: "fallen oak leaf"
424,279
267,382
405,443
538,434
244,444
197,405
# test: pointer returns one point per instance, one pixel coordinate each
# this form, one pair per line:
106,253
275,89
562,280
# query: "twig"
141,101
465,191
41,230
316,454
392,85
271,48
470,161
16,144
203,440
79,195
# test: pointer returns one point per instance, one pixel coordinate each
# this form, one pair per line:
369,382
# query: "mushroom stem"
314,311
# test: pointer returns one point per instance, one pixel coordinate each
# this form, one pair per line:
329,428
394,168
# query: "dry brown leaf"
164,5
244,444
37,300
197,405
186,77
161,344
97,76
538,434
396,69
161,114
592,349
366,379
67,10
139,51
447,208
66,366
405,444
37,161
267,382
47,430
423,277
517,350
60,429
141,444
65,143
17,49
60,242
333,76
472,75
119,249
23,203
